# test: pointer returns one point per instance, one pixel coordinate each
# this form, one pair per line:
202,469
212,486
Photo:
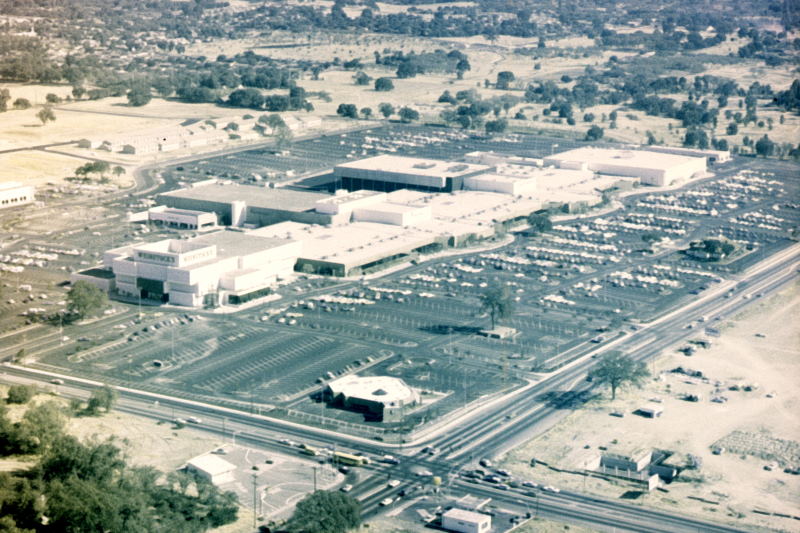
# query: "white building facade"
15,193
465,521
225,267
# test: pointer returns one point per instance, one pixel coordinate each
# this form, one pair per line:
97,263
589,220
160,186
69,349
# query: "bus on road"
349,459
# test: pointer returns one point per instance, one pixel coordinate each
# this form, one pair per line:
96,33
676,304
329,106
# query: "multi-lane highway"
490,429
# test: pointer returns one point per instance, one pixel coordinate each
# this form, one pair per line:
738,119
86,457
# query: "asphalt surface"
487,432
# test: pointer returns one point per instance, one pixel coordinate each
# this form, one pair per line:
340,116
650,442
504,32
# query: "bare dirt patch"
759,350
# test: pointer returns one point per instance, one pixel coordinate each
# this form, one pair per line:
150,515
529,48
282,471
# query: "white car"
386,501
393,483
346,488
550,488
194,420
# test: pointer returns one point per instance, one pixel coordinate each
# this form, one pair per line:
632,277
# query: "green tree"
40,427
84,299
325,512
504,79
283,137
5,96
22,103
347,110
539,223
52,98
594,133
384,84
118,171
496,126
366,112
361,78
100,400
497,300
407,114
46,115
20,394
139,95
617,370
461,67
387,110
765,147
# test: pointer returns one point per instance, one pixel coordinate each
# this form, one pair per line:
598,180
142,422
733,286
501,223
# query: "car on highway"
57,381
386,501
390,459
394,483
194,420
346,488
550,488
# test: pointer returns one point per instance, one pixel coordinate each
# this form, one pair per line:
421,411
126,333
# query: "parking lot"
580,285
313,156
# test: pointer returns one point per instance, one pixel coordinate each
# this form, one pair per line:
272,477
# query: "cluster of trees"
253,99
411,64
325,512
713,248
76,487
470,111
405,113
790,99
100,168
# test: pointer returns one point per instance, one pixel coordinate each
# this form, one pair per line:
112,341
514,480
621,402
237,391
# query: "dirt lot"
760,347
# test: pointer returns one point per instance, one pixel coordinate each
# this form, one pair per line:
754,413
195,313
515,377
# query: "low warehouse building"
212,468
378,397
652,168
240,205
182,218
465,521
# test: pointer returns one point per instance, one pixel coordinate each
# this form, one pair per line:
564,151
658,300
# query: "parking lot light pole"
255,509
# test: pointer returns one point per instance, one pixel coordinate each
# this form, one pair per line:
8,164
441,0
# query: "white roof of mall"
622,157
379,389
414,165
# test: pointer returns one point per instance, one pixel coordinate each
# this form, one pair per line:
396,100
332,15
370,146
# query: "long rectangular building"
388,173
652,168
239,205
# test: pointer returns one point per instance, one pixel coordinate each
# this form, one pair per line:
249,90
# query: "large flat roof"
236,243
279,198
12,185
415,165
620,157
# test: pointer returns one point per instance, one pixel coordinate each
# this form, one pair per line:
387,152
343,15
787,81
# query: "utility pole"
255,511
314,468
